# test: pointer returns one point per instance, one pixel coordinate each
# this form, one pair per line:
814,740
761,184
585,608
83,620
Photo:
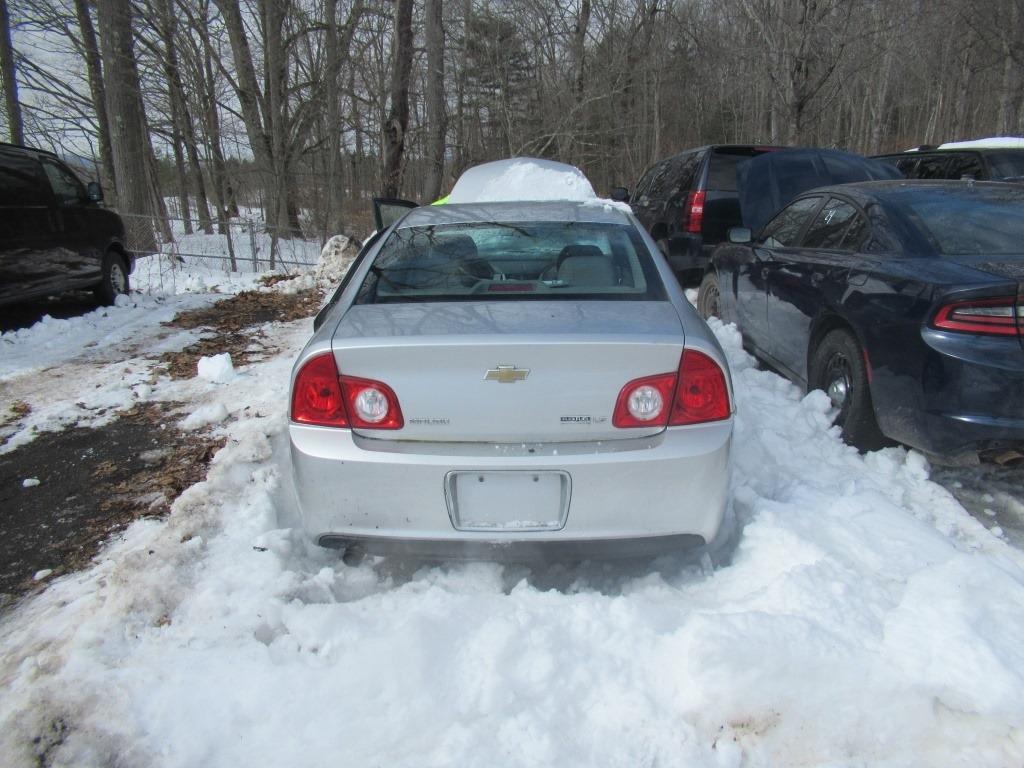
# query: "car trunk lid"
509,371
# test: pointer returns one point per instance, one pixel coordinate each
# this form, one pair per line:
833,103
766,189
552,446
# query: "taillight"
645,402
702,394
316,394
321,397
371,404
695,394
999,317
693,212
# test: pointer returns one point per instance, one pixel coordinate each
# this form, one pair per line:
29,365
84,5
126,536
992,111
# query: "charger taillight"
693,212
695,394
999,317
322,397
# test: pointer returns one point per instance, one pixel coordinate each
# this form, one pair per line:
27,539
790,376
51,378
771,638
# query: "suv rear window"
724,162
493,261
1006,165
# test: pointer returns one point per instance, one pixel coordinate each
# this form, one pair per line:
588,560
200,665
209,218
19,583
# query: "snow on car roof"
595,211
521,178
993,142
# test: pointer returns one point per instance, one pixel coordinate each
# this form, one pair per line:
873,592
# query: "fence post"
252,245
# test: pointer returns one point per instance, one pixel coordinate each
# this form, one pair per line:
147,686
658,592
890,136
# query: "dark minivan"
54,235
981,164
689,201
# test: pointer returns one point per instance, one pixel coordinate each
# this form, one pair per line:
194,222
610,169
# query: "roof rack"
29,149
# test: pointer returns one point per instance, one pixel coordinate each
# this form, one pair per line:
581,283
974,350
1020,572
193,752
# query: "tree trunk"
128,139
397,121
437,124
97,91
9,80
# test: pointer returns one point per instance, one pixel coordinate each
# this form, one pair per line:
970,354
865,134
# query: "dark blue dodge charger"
903,300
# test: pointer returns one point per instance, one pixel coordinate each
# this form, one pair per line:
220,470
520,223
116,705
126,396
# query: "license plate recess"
510,500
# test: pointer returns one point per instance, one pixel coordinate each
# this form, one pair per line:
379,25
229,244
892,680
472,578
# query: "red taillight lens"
371,404
693,212
323,398
702,394
645,402
316,394
998,317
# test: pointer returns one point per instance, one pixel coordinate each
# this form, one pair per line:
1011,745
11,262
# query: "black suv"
689,201
54,235
981,164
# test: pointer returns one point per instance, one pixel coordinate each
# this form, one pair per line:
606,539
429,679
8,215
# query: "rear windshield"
722,171
961,223
489,261
1006,165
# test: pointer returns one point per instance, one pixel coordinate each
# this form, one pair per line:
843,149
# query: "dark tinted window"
784,229
551,261
644,186
66,186
21,182
722,172
932,167
1006,165
855,234
967,164
830,225
906,165
968,221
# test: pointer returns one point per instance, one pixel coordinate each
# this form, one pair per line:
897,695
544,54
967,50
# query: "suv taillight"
693,212
321,397
1003,316
695,394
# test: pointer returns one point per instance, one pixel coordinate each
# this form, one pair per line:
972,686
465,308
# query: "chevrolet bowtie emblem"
507,374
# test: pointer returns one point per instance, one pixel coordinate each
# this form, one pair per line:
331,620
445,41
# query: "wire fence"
236,245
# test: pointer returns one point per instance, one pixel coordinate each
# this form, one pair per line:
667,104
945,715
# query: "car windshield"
966,223
494,260
1006,165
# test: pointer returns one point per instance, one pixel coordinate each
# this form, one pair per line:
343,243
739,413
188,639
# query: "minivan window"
66,187
1006,165
507,261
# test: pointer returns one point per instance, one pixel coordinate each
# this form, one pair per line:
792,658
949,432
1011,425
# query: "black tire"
709,297
837,367
114,281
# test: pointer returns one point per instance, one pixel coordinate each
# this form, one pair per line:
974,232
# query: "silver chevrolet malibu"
511,381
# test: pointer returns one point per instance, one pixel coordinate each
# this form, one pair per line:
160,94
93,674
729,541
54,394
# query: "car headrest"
578,250
588,270
461,247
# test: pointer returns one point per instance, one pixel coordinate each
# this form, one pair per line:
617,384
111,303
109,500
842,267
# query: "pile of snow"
865,619
214,413
217,369
521,178
336,257
993,142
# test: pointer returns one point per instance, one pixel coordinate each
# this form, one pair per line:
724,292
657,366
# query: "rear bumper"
967,396
628,497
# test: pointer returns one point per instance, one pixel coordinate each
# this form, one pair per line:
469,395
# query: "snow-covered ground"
864,619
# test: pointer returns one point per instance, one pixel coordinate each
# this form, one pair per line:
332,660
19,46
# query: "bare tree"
15,124
437,123
397,122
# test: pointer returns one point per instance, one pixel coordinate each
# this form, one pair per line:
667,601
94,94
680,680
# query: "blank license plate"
508,500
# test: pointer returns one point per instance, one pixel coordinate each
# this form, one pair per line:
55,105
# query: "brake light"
321,397
371,404
316,394
702,394
693,212
645,402
998,317
695,394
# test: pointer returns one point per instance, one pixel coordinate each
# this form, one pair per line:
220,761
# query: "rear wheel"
837,367
708,298
114,281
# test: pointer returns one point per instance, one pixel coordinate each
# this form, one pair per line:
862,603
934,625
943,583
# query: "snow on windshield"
522,178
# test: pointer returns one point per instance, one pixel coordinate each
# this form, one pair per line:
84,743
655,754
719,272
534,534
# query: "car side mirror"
94,191
620,194
740,235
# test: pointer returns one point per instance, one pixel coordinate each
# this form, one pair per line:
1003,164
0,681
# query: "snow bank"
994,142
865,619
521,178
